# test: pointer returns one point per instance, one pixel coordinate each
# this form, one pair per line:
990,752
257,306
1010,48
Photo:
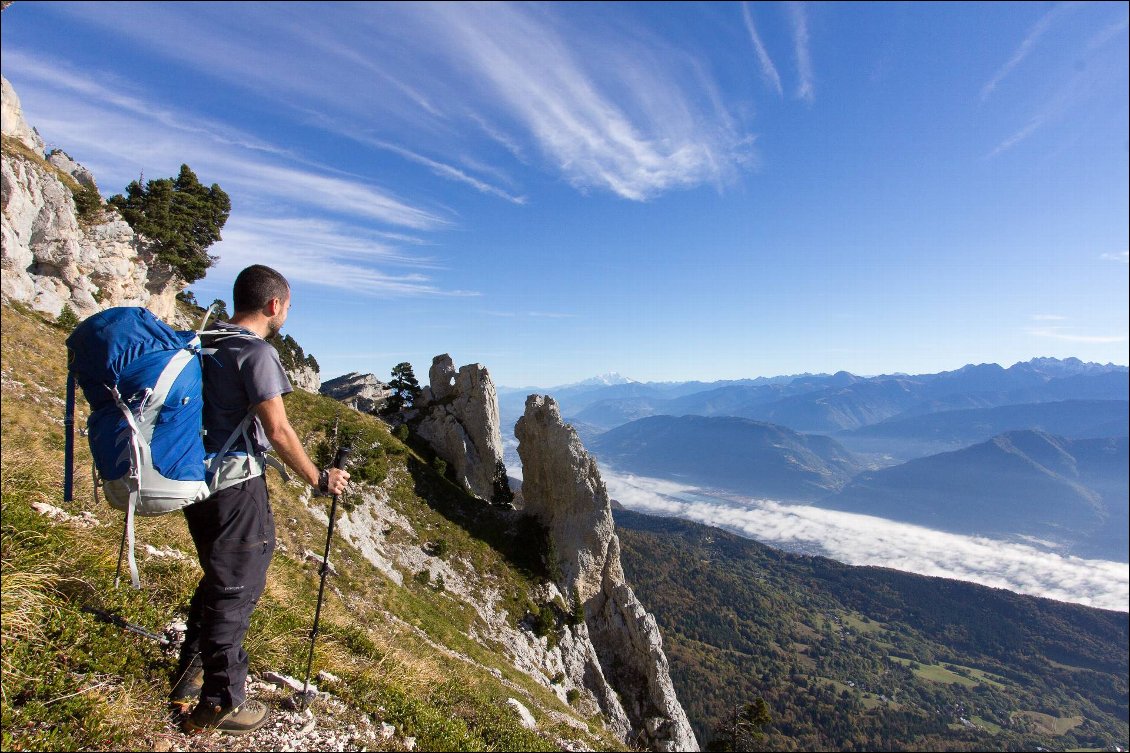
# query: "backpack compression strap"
134,492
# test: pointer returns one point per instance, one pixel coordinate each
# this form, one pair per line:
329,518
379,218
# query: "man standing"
234,528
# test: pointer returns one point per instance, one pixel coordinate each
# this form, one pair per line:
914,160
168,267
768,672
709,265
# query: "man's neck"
253,323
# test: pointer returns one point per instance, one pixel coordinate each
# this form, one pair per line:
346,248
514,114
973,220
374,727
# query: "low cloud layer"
865,540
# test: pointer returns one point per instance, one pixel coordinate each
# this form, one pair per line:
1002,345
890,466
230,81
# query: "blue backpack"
143,382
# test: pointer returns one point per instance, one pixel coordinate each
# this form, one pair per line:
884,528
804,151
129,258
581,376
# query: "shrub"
67,319
88,204
440,465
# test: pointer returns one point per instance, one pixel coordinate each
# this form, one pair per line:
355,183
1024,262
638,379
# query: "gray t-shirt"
243,372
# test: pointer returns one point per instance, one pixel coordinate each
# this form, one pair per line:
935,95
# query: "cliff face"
459,419
563,489
49,257
362,392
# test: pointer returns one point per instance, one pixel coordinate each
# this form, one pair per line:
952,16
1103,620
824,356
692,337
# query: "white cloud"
1108,33
806,88
282,205
1048,317
444,170
608,107
864,540
323,253
1064,333
118,136
61,78
1033,126
1123,257
611,116
1034,33
768,70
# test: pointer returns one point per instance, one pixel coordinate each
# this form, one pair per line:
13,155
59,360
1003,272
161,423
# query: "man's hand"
335,479
284,440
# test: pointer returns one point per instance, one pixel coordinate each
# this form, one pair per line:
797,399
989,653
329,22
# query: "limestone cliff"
563,489
362,392
49,256
459,419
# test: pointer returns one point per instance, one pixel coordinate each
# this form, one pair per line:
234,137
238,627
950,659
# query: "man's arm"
284,440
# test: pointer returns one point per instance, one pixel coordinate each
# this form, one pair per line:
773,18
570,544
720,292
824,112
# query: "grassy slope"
70,682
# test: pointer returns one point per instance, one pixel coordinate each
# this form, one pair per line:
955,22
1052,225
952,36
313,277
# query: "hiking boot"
240,720
187,689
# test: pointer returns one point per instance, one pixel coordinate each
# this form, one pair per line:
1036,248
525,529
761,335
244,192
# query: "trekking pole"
339,462
117,620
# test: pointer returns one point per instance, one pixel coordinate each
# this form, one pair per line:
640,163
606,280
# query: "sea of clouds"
1024,566
1027,568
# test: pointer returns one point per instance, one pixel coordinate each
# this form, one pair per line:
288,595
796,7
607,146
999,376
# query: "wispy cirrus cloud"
315,224
608,107
865,540
768,70
1065,334
629,123
62,78
1032,126
1123,257
327,254
806,87
1108,33
106,128
1036,31
441,169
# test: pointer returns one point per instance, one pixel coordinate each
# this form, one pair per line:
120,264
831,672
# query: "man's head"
261,290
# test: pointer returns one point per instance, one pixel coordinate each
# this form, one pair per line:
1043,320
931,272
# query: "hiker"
234,529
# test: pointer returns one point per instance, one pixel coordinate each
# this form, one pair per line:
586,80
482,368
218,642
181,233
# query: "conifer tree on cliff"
181,216
405,388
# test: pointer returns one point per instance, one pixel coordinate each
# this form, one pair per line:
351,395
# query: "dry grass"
27,597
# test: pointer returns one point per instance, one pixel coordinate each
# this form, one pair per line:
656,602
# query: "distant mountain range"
757,458
827,403
1018,483
931,433
1035,450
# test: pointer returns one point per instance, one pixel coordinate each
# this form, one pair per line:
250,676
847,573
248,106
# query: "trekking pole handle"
342,453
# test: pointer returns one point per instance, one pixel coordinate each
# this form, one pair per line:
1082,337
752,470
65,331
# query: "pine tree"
181,217
405,388
501,493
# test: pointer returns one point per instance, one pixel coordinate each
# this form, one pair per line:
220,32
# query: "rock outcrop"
13,122
62,162
305,378
562,487
362,392
459,419
48,256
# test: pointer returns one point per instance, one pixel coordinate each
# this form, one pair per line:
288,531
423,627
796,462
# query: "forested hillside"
861,658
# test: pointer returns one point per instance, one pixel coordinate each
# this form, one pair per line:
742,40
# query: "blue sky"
669,191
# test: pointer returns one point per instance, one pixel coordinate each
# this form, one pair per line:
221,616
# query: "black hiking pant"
234,533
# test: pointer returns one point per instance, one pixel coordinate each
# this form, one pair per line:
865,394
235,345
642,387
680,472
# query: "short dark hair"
256,286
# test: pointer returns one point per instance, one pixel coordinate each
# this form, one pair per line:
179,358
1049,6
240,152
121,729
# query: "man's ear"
273,307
